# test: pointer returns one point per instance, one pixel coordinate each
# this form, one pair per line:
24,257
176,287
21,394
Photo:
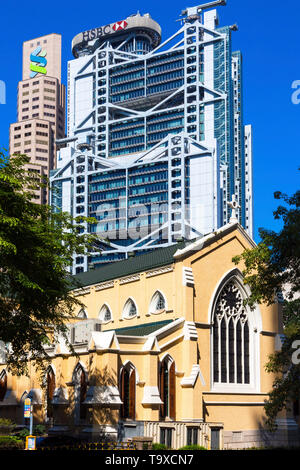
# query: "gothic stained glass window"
231,338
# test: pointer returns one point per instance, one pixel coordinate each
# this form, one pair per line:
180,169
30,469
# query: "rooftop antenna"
198,9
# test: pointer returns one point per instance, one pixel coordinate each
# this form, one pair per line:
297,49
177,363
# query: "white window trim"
3,373
126,308
255,327
130,367
153,302
102,312
79,314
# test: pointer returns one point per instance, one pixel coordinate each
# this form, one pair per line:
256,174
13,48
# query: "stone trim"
104,285
187,277
82,291
126,280
156,272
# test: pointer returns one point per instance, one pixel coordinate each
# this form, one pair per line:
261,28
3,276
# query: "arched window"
158,303
105,314
167,387
50,378
80,383
231,337
82,314
83,389
3,385
130,309
127,391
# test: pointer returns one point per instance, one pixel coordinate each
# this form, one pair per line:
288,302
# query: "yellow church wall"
270,320
149,285
193,303
204,355
148,376
169,341
130,347
140,291
180,301
267,346
217,261
209,267
188,402
236,417
144,377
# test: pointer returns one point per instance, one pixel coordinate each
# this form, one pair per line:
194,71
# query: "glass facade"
159,131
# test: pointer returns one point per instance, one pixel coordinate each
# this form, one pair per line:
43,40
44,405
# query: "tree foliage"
272,269
36,248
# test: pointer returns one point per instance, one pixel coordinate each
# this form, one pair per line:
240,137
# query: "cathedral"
164,348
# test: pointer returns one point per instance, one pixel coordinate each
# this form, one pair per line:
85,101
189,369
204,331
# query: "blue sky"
268,37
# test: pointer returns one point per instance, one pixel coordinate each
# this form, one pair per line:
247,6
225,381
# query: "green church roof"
138,263
141,330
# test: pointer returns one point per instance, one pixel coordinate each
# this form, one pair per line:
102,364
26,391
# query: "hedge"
11,443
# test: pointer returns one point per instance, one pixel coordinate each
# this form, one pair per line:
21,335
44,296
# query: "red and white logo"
120,25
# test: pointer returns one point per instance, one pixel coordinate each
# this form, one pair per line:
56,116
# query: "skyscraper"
41,107
156,146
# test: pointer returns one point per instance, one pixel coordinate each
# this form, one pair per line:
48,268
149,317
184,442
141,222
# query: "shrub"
39,430
6,422
11,443
22,434
193,447
157,446
6,426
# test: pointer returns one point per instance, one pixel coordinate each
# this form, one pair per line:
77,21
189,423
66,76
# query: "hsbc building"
132,25
103,31
155,144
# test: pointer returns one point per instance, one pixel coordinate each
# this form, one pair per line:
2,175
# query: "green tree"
272,269
36,248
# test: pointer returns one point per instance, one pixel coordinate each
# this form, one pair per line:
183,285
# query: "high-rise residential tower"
41,107
155,150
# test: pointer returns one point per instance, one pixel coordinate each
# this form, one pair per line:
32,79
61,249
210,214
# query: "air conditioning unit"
81,332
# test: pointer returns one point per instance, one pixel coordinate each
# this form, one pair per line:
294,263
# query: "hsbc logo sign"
120,25
104,30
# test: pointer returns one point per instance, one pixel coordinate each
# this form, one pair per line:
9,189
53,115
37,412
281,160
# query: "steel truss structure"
169,112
